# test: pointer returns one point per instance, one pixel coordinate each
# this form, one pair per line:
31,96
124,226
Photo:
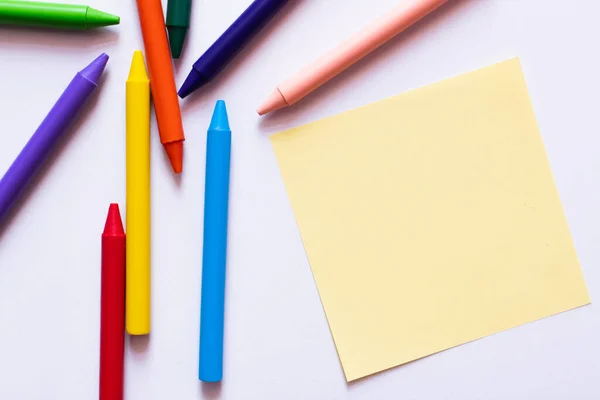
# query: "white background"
277,342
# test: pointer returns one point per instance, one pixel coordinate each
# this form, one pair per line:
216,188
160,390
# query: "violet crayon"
232,41
47,135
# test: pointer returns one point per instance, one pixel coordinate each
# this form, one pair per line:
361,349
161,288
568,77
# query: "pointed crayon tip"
193,81
114,224
275,101
137,71
220,120
96,18
175,153
176,38
94,69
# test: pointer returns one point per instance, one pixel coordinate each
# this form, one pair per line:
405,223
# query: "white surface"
277,343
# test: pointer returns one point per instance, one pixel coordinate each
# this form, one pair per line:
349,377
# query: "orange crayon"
162,82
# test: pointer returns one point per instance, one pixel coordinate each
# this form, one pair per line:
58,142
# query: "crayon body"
112,307
138,197
53,15
178,23
248,24
214,252
346,54
160,69
52,128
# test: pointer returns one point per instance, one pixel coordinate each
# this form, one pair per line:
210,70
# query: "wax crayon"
53,127
53,15
346,54
160,70
112,307
178,23
138,197
248,24
214,253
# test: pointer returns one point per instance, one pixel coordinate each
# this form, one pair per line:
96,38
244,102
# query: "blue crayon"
248,24
216,201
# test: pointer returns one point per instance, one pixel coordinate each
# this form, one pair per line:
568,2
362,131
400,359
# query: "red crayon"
112,313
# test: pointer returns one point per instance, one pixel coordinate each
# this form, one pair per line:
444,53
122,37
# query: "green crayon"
178,22
53,15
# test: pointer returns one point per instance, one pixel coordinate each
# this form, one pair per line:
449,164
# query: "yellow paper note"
430,219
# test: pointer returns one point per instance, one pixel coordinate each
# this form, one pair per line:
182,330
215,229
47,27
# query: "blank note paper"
430,219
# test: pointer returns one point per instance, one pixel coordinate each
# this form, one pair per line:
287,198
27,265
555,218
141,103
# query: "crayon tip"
219,121
176,38
275,101
96,18
193,81
114,224
137,71
175,153
94,69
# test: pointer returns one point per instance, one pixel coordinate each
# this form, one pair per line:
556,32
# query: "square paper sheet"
430,219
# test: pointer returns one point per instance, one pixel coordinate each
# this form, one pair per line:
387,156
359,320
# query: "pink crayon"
346,54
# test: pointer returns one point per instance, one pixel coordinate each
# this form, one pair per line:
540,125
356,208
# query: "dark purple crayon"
230,43
48,134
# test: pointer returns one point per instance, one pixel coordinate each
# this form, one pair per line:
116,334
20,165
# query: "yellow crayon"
137,309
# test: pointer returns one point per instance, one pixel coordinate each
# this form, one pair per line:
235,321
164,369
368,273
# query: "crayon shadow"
202,96
26,37
275,121
47,166
210,390
177,67
139,343
177,178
